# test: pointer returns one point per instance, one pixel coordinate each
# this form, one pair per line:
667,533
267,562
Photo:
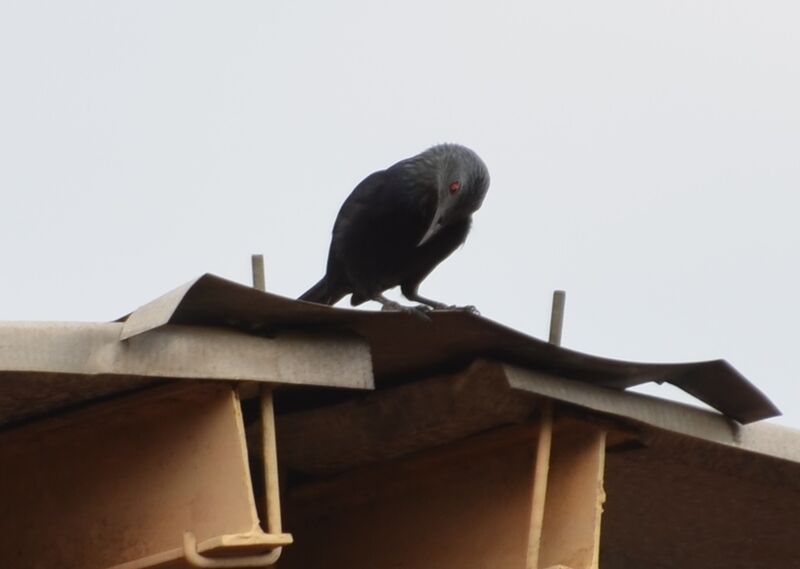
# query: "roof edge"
766,439
155,313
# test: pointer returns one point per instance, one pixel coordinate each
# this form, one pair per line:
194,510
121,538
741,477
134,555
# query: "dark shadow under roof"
403,344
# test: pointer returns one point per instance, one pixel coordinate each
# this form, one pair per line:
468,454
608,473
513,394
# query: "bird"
398,224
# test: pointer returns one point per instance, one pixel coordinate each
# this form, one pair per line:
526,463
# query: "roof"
374,389
212,328
764,438
679,482
402,344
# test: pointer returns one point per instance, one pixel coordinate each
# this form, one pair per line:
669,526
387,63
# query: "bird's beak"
433,229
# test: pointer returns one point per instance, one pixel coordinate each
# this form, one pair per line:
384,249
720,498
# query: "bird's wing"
386,205
351,229
366,196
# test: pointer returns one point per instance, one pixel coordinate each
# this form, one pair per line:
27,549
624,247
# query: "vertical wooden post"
543,446
268,435
539,493
273,506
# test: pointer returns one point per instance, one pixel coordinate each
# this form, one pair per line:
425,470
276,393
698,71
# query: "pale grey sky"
645,156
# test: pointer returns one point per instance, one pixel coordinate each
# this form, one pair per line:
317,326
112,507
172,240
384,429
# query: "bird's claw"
453,308
417,311
421,312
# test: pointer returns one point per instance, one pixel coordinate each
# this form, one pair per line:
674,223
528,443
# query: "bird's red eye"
454,187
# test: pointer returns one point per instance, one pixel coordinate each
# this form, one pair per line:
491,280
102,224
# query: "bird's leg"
392,305
436,305
416,297
389,304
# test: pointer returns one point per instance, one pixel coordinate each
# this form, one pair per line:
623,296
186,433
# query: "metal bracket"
272,496
195,559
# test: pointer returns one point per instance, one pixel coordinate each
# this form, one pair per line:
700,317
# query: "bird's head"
461,180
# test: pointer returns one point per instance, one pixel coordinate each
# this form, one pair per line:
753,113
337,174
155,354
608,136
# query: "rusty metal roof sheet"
403,344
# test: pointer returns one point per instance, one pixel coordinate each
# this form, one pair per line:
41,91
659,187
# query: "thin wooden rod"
539,493
273,508
543,446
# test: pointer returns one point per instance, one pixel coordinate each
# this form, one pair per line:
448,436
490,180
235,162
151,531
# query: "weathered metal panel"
49,365
404,344
764,438
186,352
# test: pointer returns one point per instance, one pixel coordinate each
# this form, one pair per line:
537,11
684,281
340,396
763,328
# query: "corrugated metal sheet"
404,345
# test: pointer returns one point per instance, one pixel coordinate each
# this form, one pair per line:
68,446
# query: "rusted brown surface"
465,505
390,423
681,502
28,396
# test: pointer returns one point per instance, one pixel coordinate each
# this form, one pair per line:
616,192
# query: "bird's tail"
320,293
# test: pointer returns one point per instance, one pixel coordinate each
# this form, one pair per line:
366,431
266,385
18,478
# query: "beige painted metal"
540,477
573,511
121,482
186,352
244,546
272,506
195,559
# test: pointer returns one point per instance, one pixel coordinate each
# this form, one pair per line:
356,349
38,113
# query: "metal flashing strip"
191,352
764,438
47,366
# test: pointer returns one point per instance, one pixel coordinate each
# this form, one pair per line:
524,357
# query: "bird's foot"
453,308
419,311
430,304
469,308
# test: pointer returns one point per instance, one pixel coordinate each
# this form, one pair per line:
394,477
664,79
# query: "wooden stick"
539,493
543,446
270,461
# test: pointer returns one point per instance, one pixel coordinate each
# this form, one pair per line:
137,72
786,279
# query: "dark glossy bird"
398,224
